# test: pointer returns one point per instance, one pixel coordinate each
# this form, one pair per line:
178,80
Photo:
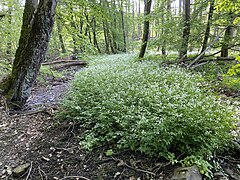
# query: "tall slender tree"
147,10
207,32
186,29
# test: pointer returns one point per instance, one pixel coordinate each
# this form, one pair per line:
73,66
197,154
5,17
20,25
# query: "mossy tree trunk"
38,20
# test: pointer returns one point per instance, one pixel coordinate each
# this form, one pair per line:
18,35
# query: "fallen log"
230,58
202,60
66,65
207,60
61,61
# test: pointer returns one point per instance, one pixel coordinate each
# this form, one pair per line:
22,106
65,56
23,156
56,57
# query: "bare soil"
52,148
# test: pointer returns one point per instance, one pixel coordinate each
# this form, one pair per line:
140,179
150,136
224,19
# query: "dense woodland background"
92,27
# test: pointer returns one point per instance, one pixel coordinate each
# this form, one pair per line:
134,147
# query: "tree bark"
186,30
35,36
147,9
207,32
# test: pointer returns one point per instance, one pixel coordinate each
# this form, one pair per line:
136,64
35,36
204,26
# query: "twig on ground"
136,169
80,177
29,171
40,171
230,160
32,112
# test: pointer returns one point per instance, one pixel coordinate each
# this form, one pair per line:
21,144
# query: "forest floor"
51,148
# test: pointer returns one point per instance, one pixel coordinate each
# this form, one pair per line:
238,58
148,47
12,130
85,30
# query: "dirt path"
19,132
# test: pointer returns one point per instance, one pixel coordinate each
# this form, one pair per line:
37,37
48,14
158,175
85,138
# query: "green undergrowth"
5,68
46,74
222,75
158,111
232,77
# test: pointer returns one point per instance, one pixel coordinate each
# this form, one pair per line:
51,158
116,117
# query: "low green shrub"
204,166
156,110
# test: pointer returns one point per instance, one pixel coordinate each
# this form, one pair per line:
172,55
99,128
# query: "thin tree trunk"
9,43
186,30
139,25
207,32
147,9
35,36
87,29
180,6
106,38
123,31
227,39
60,37
133,21
94,35
114,27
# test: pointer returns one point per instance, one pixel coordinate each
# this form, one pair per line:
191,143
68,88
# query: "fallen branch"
204,60
61,61
230,58
133,168
215,40
29,172
66,65
207,60
79,177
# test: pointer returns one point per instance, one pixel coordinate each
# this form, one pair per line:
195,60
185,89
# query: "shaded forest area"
119,89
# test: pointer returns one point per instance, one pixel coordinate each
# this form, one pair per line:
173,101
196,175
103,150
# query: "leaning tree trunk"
147,9
207,32
186,30
31,51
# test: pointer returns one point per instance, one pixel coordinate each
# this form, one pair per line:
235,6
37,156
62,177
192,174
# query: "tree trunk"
106,38
147,9
95,35
35,36
207,32
60,37
133,22
139,24
180,6
124,33
227,39
9,43
186,30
